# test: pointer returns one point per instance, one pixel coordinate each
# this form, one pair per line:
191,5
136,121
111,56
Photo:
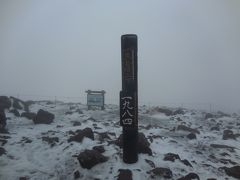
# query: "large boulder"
228,134
191,136
124,174
5,102
29,115
161,172
190,176
233,171
43,117
80,134
171,157
3,119
143,144
2,151
90,158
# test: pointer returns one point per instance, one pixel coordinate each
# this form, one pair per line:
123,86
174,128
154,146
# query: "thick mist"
189,51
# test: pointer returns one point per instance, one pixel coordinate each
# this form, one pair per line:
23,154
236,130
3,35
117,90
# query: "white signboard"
95,100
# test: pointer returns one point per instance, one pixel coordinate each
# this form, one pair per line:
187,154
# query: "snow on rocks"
90,158
48,151
124,174
43,117
80,134
233,171
29,115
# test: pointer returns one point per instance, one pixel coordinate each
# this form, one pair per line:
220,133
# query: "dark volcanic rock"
143,144
103,136
3,119
76,123
178,111
215,128
222,146
43,117
77,174
68,113
228,134
165,111
29,115
99,149
23,178
233,171
209,115
186,162
3,130
171,157
5,102
190,176
222,114
2,151
151,163
50,140
90,158
87,132
227,161
191,136
124,174
15,112
185,128
79,111
19,104
162,172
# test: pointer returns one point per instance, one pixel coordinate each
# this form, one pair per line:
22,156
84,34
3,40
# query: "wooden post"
129,98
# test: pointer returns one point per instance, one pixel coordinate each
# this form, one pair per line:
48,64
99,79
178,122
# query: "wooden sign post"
129,98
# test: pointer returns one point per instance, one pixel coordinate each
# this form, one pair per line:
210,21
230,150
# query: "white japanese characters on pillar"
127,110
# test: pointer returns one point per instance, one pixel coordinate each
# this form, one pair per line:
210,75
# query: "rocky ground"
63,141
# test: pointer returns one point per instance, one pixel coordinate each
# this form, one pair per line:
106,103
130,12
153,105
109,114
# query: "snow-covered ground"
28,155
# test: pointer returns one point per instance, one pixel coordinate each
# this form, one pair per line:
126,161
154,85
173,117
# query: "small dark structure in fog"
95,98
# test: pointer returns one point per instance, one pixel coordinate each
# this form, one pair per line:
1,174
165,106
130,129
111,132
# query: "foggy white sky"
189,51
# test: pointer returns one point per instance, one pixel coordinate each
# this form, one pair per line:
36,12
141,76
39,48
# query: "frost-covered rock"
171,157
190,176
124,174
80,134
143,144
5,102
162,172
99,149
15,112
2,151
233,171
43,117
191,136
90,158
19,104
228,134
3,119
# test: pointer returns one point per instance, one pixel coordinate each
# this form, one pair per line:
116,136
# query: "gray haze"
189,51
